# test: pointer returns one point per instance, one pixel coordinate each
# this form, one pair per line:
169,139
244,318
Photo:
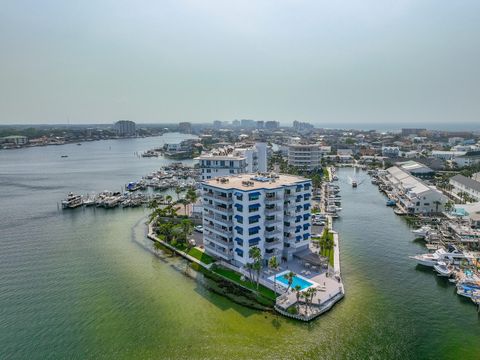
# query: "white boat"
72,201
422,232
429,260
443,268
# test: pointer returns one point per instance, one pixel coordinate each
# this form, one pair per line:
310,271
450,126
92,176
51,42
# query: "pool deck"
328,282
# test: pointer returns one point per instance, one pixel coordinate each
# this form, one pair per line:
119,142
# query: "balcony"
218,229
272,210
218,240
272,222
216,217
212,250
270,199
271,243
217,208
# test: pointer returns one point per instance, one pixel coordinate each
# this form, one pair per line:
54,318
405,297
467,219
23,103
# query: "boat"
429,260
72,201
422,232
64,156
443,268
468,291
391,202
354,183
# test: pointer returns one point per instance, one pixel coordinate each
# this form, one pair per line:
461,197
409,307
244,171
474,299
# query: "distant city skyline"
362,63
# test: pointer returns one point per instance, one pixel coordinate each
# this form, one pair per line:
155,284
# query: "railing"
217,208
270,211
217,239
219,229
216,217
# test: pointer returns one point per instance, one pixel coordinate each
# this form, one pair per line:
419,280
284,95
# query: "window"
254,230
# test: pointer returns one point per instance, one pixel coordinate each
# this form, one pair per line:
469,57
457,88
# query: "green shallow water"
85,284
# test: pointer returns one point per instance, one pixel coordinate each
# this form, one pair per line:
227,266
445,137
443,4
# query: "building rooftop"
467,182
247,182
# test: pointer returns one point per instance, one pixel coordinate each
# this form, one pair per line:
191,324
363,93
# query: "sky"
336,61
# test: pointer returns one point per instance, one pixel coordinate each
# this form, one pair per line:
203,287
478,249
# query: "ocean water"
86,284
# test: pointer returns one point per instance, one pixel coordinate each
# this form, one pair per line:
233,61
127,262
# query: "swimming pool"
297,280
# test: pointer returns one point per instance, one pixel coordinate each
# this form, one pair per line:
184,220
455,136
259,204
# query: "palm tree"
178,190
167,231
168,199
183,202
273,264
289,276
312,292
153,204
298,293
186,227
191,196
256,254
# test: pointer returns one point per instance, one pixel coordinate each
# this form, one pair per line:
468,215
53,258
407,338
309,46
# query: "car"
199,228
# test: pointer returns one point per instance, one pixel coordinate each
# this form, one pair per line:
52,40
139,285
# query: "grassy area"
326,237
200,255
235,277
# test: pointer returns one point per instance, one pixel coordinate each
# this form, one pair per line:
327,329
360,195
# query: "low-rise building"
415,196
271,212
17,140
465,185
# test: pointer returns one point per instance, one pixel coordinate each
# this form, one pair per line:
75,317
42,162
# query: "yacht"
443,268
354,183
422,232
72,201
429,260
89,201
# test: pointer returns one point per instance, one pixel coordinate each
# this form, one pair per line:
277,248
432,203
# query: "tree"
274,265
166,230
256,254
168,199
289,276
183,202
153,204
298,293
157,246
186,227
178,190
191,196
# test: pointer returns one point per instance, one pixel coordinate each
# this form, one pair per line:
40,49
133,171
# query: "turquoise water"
86,284
297,281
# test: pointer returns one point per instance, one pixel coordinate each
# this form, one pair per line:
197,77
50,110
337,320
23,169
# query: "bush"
292,310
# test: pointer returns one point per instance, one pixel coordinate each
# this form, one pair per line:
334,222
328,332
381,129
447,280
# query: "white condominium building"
414,196
306,156
269,211
231,160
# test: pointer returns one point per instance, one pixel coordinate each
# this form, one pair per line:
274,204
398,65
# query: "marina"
174,176
452,244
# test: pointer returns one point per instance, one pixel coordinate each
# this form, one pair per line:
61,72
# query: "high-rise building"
245,123
271,212
125,128
306,156
272,125
185,127
230,160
